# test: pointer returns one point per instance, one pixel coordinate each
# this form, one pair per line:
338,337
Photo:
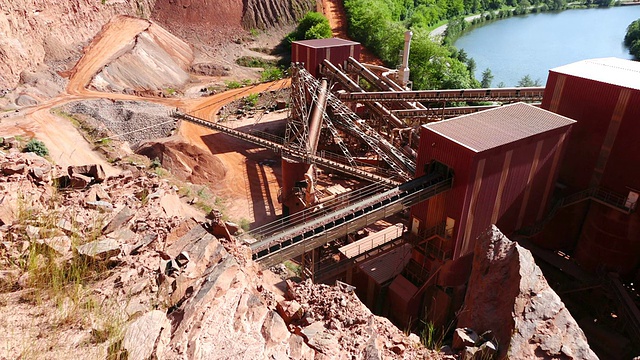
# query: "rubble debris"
213,295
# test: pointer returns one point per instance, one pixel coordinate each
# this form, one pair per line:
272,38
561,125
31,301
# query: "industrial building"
560,173
312,53
598,184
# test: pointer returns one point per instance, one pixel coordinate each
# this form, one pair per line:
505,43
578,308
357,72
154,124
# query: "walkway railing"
279,148
318,231
598,194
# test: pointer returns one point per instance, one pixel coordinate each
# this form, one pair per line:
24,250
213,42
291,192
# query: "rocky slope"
120,267
156,61
131,121
509,296
48,32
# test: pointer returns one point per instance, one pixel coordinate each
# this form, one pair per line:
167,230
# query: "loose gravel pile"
131,121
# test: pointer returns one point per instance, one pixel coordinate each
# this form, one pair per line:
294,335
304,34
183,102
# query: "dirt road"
249,189
334,11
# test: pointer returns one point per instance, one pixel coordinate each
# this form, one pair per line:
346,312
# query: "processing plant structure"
552,167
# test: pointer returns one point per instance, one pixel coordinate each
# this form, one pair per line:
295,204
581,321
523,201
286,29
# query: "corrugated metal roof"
492,128
614,71
384,267
323,43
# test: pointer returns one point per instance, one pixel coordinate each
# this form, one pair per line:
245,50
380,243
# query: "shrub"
313,26
233,84
251,100
271,74
36,146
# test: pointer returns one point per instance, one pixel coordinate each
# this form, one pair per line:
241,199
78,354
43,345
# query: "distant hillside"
53,33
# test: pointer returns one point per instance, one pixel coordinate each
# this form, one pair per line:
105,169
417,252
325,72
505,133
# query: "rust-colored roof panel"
323,43
492,128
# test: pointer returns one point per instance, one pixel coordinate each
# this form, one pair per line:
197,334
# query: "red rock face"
508,295
221,14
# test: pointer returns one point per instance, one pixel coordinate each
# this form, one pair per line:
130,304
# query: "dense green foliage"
427,13
375,23
312,26
632,38
379,25
36,146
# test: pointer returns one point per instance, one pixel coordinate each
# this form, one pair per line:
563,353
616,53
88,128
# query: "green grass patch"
271,74
255,62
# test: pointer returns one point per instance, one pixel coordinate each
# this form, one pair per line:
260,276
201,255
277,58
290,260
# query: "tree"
487,78
526,81
312,26
632,38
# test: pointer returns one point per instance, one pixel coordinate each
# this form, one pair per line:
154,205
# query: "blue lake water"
534,43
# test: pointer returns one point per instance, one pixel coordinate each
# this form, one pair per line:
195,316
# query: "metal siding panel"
622,169
486,196
504,175
513,194
458,158
294,52
591,104
357,49
609,241
549,90
539,183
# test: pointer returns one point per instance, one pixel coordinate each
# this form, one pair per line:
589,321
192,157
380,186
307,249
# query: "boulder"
12,168
60,244
464,337
7,211
100,205
233,228
147,336
79,181
121,218
100,249
274,330
94,170
171,205
299,349
526,316
97,193
290,310
320,339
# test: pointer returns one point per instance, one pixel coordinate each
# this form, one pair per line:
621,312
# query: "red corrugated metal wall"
591,104
435,147
490,187
606,137
623,167
522,185
312,56
610,240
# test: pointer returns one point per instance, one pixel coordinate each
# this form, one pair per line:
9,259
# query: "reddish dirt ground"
249,190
